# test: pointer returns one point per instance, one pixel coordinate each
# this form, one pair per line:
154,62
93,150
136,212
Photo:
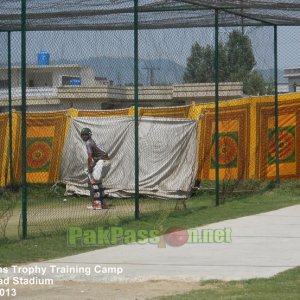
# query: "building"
59,87
293,76
52,76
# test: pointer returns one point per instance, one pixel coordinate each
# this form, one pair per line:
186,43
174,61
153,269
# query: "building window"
70,80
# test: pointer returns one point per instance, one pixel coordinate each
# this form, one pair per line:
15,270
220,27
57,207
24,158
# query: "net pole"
217,104
10,108
276,105
23,92
136,112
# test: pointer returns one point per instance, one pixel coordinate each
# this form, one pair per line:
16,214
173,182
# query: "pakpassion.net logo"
174,236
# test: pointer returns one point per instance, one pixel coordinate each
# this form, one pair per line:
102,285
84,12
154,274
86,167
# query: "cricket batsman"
98,166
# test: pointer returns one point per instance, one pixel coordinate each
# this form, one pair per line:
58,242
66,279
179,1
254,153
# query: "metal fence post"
136,107
217,104
23,91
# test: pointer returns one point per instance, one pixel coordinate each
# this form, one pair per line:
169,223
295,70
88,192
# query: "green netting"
106,15
90,47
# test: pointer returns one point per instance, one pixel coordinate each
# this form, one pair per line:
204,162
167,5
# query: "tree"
194,69
236,63
208,66
200,64
270,87
240,56
254,84
223,63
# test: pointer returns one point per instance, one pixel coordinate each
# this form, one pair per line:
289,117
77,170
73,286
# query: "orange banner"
234,139
4,159
288,140
246,138
44,142
169,112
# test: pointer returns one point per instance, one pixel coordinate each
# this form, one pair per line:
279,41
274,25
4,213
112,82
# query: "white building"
51,76
50,88
293,76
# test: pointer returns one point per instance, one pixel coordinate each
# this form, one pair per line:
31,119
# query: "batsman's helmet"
86,131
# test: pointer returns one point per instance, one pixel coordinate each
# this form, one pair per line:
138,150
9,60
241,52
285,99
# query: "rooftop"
206,91
39,67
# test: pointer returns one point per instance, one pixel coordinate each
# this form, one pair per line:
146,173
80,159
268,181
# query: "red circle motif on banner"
228,149
38,155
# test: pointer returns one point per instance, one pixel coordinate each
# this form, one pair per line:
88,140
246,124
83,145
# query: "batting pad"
168,156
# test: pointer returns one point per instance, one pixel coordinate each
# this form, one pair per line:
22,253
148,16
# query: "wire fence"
77,79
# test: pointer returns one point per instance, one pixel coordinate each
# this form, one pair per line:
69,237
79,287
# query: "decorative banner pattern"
286,145
39,152
4,172
234,140
246,138
228,150
288,131
168,112
45,138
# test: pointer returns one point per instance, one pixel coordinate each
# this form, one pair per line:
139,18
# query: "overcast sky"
173,44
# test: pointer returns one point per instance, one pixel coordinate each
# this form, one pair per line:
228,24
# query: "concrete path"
261,246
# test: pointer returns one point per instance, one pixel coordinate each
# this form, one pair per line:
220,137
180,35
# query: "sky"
173,44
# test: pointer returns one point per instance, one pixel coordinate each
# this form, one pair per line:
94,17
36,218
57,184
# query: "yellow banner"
169,112
288,140
234,140
4,158
246,138
44,142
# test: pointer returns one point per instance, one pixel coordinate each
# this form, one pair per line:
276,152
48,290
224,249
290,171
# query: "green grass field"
160,214
285,285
